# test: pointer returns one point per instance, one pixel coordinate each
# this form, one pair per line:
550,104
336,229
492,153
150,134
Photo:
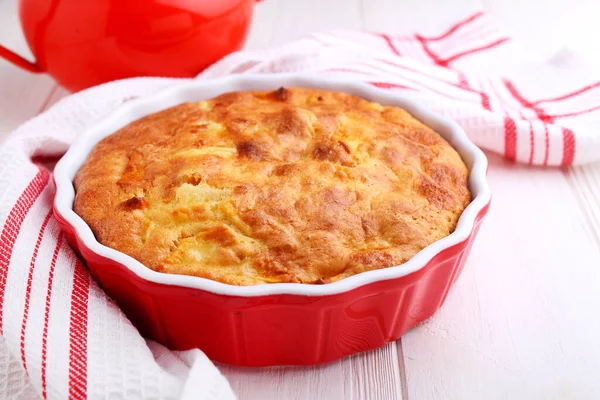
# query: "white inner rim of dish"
78,152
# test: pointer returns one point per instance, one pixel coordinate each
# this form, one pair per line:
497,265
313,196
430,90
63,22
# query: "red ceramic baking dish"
284,323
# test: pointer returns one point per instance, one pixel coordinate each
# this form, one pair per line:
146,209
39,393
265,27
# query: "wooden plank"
585,182
280,21
402,17
264,24
369,376
522,321
544,30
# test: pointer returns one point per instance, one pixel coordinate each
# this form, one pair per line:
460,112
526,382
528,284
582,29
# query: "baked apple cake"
291,185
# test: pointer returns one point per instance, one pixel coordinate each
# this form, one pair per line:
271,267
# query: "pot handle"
19,61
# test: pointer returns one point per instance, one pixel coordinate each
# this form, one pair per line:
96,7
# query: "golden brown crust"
291,185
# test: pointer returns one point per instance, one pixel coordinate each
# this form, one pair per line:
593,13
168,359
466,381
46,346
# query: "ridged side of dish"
293,185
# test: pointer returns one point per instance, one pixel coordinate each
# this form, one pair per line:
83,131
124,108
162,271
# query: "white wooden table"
523,320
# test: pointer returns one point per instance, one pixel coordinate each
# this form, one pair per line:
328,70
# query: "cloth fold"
62,337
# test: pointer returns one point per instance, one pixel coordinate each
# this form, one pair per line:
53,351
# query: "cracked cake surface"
291,185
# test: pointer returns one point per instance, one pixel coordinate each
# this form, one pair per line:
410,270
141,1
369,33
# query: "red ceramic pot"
86,43
282,323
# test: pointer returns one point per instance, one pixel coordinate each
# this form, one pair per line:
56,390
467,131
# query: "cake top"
292,185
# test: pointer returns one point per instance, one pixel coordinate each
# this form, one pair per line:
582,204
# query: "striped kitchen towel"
63,338
537,114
